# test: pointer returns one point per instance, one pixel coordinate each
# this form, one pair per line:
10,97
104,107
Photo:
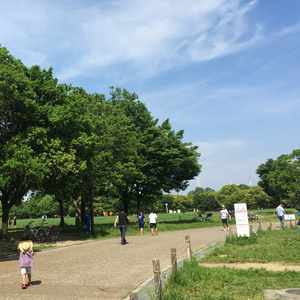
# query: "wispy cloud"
208,149
147,37
289,30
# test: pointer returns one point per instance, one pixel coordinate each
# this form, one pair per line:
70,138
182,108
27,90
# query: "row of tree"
61,141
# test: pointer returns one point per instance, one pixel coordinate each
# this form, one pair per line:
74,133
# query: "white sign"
241,218
289,217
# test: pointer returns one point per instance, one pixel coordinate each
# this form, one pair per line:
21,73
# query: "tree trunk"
82,216
77,209
91,208
61,209
5,212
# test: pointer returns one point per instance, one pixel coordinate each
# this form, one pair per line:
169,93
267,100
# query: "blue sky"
225,71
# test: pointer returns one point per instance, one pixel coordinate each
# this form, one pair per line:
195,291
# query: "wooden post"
251,229
134,296
259,225
291,224
270,225
174,261
188,247
157,272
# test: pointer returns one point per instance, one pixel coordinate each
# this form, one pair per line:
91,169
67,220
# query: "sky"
225,71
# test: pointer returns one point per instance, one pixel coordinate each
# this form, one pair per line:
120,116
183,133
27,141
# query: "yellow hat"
25,246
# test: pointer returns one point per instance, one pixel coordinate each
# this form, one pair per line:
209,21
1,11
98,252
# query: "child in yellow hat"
25,248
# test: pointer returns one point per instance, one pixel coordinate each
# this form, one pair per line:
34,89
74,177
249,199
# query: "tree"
229,195
280,178
182,202
255,197
22,135
163,161
204,199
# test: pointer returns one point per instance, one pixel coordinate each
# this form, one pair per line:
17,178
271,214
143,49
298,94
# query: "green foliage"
255,197
204,199
66,143
229,195
280,178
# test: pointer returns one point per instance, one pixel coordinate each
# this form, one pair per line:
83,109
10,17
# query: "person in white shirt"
224,216
153,222
280,213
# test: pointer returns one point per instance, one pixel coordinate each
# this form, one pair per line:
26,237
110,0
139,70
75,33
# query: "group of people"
122,218
12,221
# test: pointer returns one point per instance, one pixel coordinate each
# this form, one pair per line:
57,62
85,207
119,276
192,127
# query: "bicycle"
208,217
52,233
39,234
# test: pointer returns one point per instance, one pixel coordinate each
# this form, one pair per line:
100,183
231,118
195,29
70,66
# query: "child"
142,221
26,258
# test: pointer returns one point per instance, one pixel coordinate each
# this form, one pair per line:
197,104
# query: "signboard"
241,218
289,217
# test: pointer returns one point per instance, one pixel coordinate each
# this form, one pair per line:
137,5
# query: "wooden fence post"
157,273
188,247
270,225
134,296
174,261
259,225
251,228
291,224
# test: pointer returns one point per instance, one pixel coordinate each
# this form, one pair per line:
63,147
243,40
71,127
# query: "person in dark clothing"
122,218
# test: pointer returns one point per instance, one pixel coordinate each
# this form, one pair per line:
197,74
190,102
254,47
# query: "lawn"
198,282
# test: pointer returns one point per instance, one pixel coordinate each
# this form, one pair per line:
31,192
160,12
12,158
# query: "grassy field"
197,282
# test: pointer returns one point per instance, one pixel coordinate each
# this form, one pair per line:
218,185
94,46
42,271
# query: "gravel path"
102,269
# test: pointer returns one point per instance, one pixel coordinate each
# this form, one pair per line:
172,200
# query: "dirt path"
102,269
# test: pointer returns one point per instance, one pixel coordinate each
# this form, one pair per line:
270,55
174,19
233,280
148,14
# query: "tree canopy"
59,140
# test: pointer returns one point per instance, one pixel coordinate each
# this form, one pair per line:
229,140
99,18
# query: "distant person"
25,248
122,218
15,221
87,221
9,222
153,220
280,213
141,221
224,216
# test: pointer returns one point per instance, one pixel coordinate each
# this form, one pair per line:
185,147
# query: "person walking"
25,248
9,222
141,221
224,216
15,221
280,213
153,220
87,221
122,218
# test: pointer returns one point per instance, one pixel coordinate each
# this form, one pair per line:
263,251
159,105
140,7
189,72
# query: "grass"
267,246
195,282
221,283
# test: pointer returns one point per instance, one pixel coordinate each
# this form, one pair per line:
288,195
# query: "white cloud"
289,30
209,149
150,36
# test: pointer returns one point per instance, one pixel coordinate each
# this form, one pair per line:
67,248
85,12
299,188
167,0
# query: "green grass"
195,282
267,246
221,283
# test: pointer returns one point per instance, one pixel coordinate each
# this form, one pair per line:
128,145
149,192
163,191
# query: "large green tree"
280,178
22,134
163,162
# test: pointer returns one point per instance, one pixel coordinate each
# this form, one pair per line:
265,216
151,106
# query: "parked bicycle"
52,233
39,234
